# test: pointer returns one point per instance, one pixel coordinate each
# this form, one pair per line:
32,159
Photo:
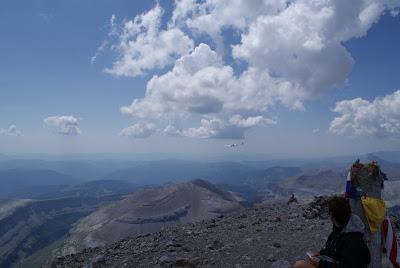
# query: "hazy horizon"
205,157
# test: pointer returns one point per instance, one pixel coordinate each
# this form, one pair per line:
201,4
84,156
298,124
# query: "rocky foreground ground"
271,234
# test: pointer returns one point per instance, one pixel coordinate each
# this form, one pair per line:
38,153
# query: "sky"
285,78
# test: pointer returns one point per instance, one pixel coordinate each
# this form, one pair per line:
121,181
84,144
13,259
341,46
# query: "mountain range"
49,208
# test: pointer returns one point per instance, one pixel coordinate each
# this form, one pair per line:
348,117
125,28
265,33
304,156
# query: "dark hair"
339,209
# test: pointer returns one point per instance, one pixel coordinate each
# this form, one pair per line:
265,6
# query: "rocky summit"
149,210
270,234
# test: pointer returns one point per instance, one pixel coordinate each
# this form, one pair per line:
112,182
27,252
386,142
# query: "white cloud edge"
66,125
12,130
358,117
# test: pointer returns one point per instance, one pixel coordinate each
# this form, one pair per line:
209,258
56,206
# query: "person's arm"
324,252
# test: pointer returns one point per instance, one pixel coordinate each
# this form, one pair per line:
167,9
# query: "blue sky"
46,71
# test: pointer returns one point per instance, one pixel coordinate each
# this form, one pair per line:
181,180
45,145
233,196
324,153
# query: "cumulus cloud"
380,117
139,130
217,128
142,45
172,130
293,51
201,84
239,121
303,44
214,128
213,16
64,124
11,131
196,84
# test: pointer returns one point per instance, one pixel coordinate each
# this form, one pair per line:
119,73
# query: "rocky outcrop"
271,234
318,208
166,217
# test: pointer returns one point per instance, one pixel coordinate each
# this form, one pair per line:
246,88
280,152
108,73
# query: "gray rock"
164,259
184,262
276,245
281,264
275,241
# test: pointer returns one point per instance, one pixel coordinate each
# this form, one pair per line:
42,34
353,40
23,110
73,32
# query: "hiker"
345,246
292,199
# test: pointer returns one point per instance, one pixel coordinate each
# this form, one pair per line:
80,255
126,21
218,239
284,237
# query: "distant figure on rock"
345,247
292,199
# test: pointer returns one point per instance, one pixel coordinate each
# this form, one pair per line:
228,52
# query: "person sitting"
345,247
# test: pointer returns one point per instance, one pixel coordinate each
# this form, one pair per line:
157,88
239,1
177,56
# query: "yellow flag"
374,210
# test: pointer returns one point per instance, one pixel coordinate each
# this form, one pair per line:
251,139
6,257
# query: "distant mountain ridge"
13,179
159,172
84,170
88,189
150,210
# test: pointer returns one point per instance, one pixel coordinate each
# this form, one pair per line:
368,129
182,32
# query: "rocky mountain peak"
150,210
271,234
214,189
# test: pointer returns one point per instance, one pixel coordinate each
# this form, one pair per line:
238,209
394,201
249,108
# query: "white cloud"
316,130
63,124
239,121
301,45
212,16
196,84
10,131
139,130
214,128
217,128
297,41
381,117
143,46
348,20
181,11
171,130
293,51
200,84
106,43
234,128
